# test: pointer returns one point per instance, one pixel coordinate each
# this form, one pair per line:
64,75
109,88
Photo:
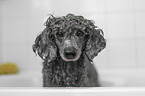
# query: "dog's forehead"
69,27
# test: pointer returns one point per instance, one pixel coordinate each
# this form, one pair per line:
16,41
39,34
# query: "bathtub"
102,91
114,83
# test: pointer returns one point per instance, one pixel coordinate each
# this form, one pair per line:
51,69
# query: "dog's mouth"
70,54
69,58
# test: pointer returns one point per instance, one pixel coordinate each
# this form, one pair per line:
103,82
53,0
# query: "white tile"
140,22
35,25
98,18
63,7
1,31
101,61
16,8
141,53
139,4
92,6
120,26
15,52
34,61
119,5
46,6
14,30
24,8
122,54
40,8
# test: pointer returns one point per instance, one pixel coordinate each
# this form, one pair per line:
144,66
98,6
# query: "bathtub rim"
72,89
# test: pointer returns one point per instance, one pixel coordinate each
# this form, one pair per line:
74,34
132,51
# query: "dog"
67,46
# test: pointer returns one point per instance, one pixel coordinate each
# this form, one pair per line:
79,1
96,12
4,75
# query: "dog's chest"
67,74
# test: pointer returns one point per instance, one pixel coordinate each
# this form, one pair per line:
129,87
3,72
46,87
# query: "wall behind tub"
1,55
122,21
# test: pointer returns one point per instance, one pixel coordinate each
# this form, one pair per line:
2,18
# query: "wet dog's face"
69,36
70,44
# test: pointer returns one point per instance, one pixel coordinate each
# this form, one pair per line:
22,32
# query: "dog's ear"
95,44
44,46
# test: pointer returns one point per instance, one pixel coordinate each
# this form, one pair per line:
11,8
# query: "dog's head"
69,36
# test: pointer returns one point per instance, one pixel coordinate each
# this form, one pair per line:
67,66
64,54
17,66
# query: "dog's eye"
80,33
59,34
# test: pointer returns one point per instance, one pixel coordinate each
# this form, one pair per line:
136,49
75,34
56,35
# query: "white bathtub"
108,78
102,91
114,82
22,79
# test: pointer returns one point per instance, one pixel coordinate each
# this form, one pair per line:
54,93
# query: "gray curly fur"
60,73
65,74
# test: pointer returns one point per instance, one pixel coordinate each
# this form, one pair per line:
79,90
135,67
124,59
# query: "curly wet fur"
60,73
64,74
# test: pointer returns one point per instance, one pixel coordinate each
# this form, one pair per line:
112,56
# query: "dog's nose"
70,52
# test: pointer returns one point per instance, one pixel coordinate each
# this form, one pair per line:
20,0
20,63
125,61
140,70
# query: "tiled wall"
122,21
0,30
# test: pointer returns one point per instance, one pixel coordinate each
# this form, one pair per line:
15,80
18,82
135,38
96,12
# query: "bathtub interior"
108,78
22,79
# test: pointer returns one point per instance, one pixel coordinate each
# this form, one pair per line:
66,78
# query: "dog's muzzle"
70,53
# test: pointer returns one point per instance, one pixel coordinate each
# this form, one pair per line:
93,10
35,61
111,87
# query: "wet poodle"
67,46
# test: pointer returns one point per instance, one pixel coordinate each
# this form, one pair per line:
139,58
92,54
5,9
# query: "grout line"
105,26
2,51
135,36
